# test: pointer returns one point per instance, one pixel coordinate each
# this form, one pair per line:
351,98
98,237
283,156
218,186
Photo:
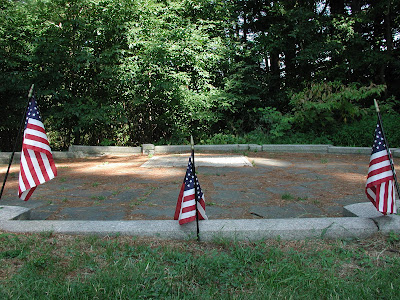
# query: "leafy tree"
16,49
134,71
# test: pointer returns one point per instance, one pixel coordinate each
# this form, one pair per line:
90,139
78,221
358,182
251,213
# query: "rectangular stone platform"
205,161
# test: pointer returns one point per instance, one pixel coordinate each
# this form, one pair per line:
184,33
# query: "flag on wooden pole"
382,180
37,164
186,205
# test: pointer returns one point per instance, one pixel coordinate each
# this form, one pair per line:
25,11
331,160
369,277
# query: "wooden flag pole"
387,147
16,141
196,197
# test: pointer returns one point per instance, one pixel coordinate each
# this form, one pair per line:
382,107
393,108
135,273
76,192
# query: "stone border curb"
360,220
297,148
105,150
76,151
242,229
288,229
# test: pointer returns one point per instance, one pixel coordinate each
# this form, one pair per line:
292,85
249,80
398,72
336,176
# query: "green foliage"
325,106
223,138
274,122
135,71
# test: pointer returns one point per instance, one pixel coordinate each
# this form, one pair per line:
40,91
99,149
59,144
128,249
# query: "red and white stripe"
186,207
380,183
37,164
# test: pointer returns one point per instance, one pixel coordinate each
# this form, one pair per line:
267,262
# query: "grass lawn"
49,266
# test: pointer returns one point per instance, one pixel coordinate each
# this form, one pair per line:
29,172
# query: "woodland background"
127,72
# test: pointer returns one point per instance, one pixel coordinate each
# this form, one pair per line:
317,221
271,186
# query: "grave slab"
92,212
208,161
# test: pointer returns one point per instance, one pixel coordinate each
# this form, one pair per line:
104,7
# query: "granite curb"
240,229
385,224
77,151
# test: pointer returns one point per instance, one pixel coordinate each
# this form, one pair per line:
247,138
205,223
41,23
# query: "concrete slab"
230,197
209,161
14,213
215,212
155,212
43,213
364,210
164,196
125,196
88,213
269,162
351,199
292,210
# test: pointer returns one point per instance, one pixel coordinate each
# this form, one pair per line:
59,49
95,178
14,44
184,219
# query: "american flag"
186,206
380,182
37,164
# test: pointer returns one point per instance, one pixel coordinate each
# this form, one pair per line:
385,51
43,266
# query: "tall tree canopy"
128,72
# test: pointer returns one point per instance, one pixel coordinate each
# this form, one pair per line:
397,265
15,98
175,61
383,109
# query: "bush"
360,133
324,107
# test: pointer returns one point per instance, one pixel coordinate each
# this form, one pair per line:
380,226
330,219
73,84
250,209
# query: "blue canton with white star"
190,179
32,112
379,141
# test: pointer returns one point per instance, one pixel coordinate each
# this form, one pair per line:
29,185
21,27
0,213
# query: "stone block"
243,147
363,210
349,150
255,147
229,147
172,149
147,149
296,148
100,150
5,157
